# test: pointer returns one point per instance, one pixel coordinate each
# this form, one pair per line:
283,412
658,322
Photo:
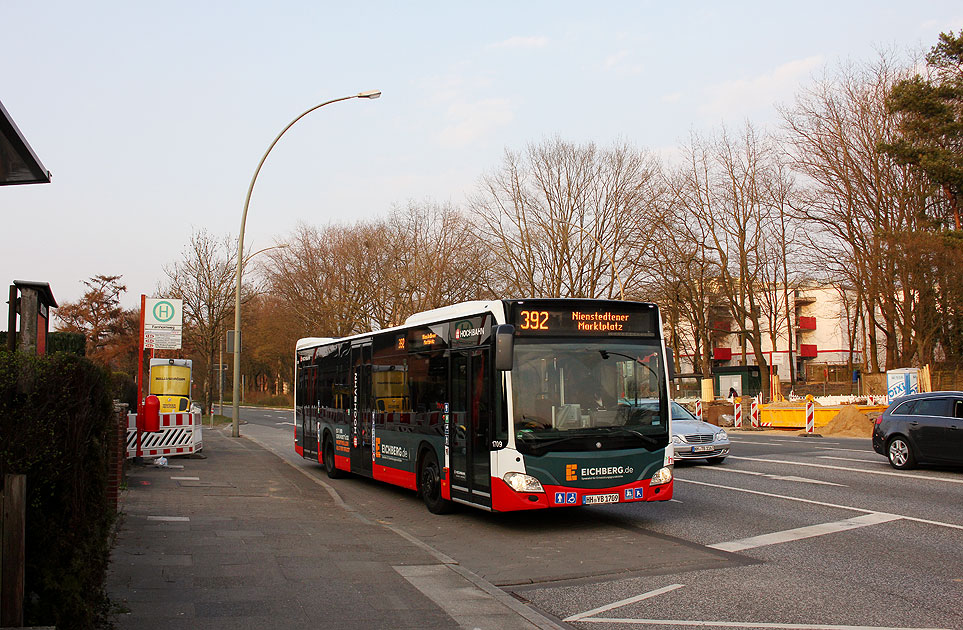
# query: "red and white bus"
502,405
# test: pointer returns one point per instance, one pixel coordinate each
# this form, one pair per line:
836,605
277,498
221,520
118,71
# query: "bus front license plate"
592,499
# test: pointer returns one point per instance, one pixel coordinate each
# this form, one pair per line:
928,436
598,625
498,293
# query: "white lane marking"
624,602
797,442
745,624
739,440
822,503
176,519
283,423
848,450
778,477
875,460
810,531
859,470
186,478
586,617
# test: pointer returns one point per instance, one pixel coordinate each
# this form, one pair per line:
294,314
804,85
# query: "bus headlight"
661,477
520,482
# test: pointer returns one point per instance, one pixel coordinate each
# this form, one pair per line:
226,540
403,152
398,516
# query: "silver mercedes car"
692,439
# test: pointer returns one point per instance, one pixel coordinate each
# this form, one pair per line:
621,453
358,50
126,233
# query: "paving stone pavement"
238,539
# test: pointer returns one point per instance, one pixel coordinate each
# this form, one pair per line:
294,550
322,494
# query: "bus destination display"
538,320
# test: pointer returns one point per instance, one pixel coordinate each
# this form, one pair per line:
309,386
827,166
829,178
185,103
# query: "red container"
152,414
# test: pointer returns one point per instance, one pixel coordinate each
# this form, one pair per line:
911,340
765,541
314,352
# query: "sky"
152,117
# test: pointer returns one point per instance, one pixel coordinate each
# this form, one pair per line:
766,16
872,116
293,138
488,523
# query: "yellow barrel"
172,385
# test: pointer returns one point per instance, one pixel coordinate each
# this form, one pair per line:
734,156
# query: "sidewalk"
241,539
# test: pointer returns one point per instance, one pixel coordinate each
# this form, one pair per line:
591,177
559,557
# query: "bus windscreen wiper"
648,439
537,443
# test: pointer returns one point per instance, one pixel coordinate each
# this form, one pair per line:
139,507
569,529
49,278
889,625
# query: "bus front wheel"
429,484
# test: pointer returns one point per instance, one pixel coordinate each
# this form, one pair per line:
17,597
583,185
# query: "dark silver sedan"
693,439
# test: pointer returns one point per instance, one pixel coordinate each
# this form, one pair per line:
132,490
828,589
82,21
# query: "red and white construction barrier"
179,434
810,416
754,413
699,410
737,410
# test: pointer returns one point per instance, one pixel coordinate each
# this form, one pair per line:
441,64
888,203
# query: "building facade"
820,337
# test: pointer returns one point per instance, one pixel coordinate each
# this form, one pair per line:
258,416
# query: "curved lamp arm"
371,94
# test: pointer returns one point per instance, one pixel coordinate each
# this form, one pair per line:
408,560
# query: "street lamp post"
235,432
602,247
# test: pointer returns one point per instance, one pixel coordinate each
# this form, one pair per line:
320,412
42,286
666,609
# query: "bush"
55,419
124,389
75,343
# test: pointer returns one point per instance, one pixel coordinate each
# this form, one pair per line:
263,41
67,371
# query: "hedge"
55,417
75,343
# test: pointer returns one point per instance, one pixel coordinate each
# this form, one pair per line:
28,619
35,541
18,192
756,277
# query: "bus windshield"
589,395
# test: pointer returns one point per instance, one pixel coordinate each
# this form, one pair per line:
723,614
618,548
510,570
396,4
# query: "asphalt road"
788,533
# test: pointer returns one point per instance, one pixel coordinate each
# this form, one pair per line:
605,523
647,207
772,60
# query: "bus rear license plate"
703,449
591,499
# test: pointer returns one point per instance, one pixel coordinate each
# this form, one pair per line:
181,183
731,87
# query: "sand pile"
849,422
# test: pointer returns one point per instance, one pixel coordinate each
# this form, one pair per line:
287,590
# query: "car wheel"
328,459
715,460
429,484
900,453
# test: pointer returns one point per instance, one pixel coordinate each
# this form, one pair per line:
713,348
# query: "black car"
921,428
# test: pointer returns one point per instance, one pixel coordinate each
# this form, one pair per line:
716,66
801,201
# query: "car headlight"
677,439
520,482
721,436
661,477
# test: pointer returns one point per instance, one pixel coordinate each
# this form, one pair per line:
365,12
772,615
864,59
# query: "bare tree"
316,276
684,277
270,337
436,259
782,245
866,210
568,220
204,278
721,193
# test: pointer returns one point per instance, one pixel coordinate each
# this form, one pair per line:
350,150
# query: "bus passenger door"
309,428
362,441
469,427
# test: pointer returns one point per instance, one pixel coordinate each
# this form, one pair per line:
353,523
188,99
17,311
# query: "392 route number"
534,320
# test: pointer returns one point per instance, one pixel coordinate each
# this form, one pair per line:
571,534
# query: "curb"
528,613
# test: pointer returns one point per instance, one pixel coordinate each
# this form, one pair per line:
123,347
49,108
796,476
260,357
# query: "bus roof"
455,310
310,342
462,309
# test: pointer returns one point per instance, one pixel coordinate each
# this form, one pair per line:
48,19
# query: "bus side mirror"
670,360
504,347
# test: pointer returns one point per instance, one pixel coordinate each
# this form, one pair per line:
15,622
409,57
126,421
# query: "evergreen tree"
932,120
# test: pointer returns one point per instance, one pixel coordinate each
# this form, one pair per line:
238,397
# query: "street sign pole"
220,377
140,371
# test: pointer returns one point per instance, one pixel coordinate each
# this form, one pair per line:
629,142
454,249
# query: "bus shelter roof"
18,163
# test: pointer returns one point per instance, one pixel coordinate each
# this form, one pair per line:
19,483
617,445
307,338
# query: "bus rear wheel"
429,484
328,459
